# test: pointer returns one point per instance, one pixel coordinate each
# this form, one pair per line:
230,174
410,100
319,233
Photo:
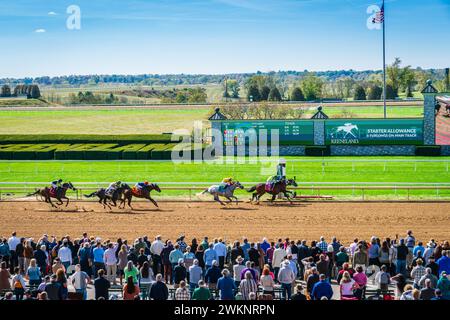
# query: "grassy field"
308,171
117,120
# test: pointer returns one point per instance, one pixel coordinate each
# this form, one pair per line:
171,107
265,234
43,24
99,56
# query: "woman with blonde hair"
347,285
33,273
122,261
407,293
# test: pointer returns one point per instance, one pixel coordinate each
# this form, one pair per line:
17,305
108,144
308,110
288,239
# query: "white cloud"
52,13
40,30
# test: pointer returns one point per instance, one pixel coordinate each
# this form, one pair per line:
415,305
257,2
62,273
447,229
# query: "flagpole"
384,60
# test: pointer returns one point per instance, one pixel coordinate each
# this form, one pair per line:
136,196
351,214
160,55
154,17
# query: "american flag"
379,18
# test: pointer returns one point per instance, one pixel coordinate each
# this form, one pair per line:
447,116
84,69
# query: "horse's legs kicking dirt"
286,194
153,201
216,198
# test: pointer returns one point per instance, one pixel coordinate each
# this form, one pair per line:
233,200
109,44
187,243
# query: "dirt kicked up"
299,221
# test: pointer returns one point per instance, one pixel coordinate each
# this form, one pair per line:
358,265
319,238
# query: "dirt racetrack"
300,221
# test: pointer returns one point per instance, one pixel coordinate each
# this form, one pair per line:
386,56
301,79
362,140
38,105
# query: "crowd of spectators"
212,269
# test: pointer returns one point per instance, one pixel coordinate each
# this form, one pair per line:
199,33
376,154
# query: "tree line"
31,91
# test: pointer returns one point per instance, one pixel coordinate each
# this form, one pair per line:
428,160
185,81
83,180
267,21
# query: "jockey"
113,186
226,182
141,185
56,184
281,173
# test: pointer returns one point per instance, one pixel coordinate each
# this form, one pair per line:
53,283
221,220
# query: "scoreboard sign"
290,132
374,132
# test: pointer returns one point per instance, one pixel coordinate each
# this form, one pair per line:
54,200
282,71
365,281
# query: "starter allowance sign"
369,132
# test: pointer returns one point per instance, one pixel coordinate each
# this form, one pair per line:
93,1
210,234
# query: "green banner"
374,132
290,132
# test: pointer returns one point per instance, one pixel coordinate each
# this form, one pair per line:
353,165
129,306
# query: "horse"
128,194
59,194
104,196
279,187
228,193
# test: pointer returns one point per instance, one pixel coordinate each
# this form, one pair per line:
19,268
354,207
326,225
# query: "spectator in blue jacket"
226,286
322,289
212,275
245,247
209,256
444,262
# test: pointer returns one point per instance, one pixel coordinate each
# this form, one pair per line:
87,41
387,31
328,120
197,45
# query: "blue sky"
217,36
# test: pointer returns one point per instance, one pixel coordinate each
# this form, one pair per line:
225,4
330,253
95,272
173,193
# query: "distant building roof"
319,114
217,115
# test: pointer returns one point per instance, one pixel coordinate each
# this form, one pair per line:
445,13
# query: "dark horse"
279,187
112,198
144,193
58,194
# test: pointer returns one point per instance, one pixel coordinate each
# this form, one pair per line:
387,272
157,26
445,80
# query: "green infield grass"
309,171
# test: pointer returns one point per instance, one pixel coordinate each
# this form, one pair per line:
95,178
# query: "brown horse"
104,197
59,194
279,187
128,194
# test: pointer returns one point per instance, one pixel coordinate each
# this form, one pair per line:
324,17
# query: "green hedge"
92,151
85,138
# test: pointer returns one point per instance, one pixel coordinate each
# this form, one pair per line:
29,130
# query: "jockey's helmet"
146,183
119,183
282,161
60,180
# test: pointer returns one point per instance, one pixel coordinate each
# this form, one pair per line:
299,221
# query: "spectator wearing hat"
212,275
322,289
237,270
159,290
429,250
226,286
286,277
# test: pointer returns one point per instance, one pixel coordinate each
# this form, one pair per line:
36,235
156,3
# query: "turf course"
308,171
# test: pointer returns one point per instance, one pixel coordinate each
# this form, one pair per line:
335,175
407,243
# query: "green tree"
35,93
253,93
394,74
360,93
390,92
197,95
297,95
181,97
375,92
265,91
311,87
274,94
6,91
233,89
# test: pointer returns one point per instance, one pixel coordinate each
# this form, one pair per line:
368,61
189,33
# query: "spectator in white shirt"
221,251
278,256
12,243
111,263
65,255
155,249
